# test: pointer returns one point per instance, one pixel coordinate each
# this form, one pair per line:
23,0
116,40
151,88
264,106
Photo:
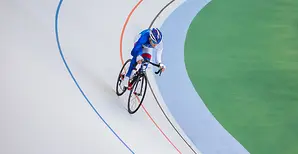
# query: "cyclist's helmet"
155,35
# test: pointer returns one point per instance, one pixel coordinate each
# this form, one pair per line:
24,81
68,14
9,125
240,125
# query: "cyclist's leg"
129,72
133,64
133,61
131,67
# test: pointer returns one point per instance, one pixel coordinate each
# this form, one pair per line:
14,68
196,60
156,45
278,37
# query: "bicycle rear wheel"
137,94
120,89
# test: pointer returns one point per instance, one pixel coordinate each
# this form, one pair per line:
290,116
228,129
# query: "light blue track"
179,94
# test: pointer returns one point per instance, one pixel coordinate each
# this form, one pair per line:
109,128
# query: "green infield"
242,58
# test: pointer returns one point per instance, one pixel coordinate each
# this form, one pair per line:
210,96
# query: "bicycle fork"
140,93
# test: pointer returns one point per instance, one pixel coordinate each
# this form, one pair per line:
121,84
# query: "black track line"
152,89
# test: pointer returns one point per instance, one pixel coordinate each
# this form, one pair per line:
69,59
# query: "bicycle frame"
139,75
141,71
154,64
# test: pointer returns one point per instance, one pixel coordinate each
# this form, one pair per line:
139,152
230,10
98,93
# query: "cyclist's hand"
162,67
139,59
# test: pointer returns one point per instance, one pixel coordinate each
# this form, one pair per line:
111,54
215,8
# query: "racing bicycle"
139,83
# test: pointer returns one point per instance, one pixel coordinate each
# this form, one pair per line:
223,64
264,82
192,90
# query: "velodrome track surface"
59,65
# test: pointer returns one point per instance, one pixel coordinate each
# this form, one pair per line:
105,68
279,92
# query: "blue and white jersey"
142,45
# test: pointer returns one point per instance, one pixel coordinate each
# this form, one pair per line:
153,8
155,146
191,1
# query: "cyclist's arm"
159,49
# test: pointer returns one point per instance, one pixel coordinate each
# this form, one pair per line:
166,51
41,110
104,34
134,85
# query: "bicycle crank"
138,94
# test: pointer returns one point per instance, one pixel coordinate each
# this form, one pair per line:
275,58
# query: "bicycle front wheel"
137,94
120,89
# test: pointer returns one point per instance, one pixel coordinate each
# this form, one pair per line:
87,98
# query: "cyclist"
147,41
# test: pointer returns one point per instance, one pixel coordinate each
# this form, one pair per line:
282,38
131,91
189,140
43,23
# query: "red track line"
123,29
121,57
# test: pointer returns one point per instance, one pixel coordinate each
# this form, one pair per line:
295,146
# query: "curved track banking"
59,76
143,106
64,102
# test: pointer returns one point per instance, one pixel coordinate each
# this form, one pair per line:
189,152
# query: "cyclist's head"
155,36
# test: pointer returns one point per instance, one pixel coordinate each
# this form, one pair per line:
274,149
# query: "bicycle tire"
117,83
135,84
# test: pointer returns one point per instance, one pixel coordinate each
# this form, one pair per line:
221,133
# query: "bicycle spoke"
134,101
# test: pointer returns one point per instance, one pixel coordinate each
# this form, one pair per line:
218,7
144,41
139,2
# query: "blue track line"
62,56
